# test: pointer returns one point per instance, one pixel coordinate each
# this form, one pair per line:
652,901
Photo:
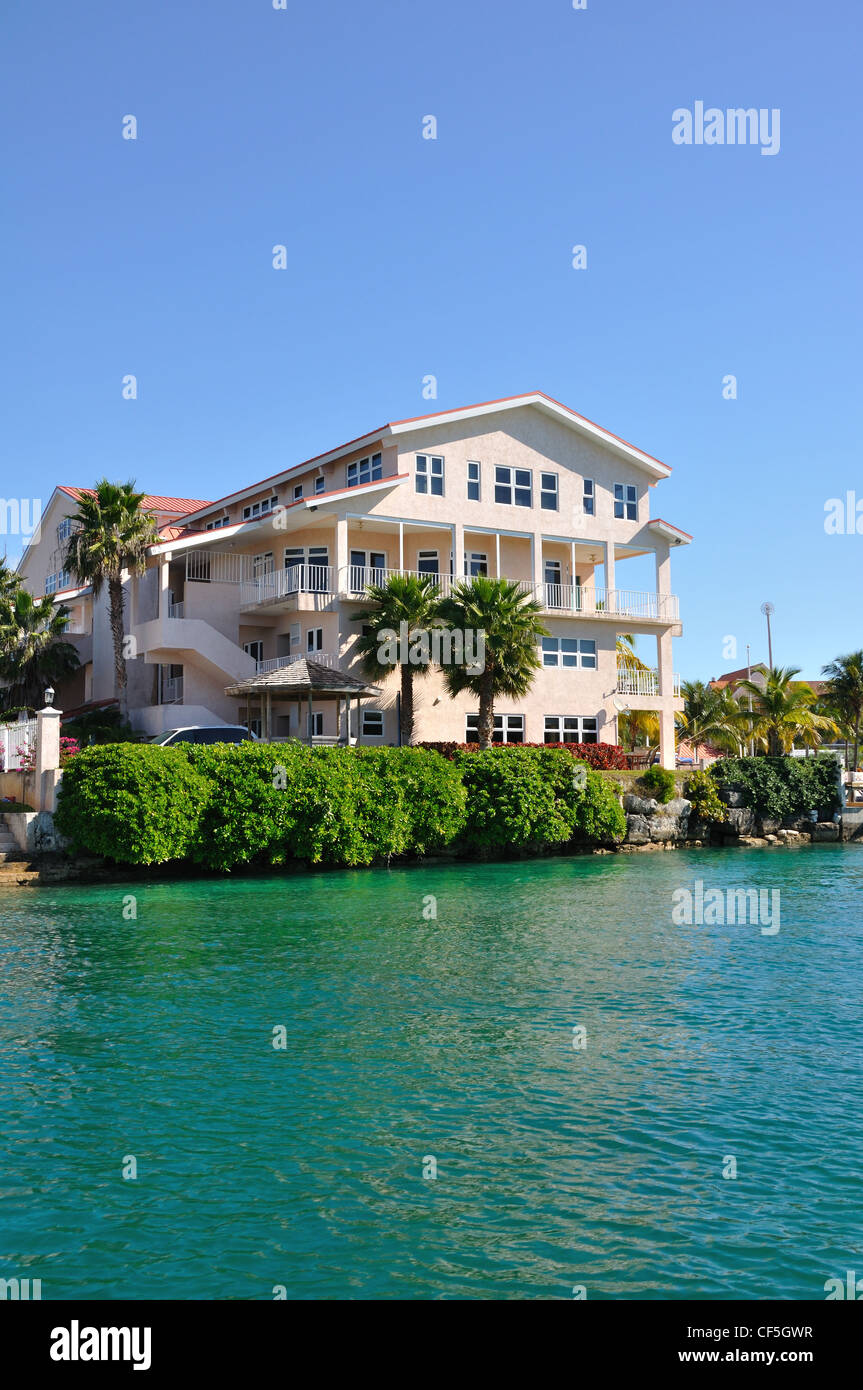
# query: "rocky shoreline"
654,825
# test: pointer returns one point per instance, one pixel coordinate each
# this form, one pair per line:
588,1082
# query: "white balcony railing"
277,585
631,681
554,598
275,663
176,610
360,576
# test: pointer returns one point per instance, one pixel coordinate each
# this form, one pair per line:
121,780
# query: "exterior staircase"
9,851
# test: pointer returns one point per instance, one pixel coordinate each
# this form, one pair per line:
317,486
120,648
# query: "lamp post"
767,609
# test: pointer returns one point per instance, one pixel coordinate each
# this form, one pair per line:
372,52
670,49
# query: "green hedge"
135,803
230,804
781,787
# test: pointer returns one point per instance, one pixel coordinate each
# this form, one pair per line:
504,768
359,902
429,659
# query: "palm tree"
9,581
410,599
626,654
708,716
845,693
33,653
509,619
111,533
783,712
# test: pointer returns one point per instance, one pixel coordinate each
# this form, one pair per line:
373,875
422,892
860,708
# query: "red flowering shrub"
596,755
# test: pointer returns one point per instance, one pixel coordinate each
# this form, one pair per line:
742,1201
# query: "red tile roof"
170,506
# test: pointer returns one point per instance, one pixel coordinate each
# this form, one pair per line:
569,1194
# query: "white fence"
17,745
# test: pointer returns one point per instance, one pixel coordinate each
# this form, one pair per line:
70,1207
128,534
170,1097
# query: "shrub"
700,789
660,782
332,805
600,817
781,787
598,755
131,802
518,797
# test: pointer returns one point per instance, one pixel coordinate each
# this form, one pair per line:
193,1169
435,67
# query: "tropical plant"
111,533
844,694
508,618
659,781
709,716
409,599
700,791
783,712
33,654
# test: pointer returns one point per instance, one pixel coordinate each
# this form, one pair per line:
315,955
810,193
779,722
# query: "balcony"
631,681
553,598
283,586
275,663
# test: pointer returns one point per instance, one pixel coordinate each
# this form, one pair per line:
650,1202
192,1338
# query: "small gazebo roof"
303,677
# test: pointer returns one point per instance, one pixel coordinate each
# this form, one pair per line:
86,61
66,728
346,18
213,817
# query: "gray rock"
825,830
639,805
637,832
678,806
741,821
665,828
768,826
730,797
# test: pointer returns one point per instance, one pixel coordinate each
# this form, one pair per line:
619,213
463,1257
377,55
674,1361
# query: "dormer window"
365,471
256,509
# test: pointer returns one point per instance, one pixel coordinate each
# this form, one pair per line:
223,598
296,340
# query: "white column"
663,573
497,555
610,580
47,759
342,553
401,545
164,585
457,550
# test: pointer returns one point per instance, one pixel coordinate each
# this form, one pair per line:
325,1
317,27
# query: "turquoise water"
452,1039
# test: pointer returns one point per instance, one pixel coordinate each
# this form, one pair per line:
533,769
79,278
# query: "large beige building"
522,488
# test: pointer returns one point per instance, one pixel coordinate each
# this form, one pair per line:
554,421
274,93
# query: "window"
256,509
365,471
255,727
298,492
367,567
473,482
569,728
294,555
262,564
318,573
508,728
64,530
589,496
255,650
513,486
429,475
217,525
625,502
373,723
569,651
320,484
428,562
294,636
316,724
61,580
475,562
315,639
548,492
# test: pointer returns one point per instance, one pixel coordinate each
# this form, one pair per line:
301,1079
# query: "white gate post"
47,768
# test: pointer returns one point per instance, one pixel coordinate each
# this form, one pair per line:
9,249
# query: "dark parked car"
205,733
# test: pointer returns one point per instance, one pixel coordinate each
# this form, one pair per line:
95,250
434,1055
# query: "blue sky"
451,257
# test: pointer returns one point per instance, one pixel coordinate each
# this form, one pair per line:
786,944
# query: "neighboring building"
522,488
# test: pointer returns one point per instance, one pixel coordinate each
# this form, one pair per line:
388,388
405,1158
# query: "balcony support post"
610,580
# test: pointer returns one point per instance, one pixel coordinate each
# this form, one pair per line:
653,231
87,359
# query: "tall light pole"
767,609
